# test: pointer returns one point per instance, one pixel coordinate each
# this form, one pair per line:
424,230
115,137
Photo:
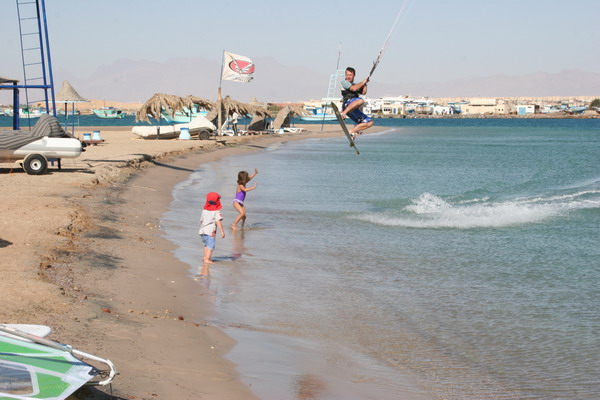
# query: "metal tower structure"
333,90
35,56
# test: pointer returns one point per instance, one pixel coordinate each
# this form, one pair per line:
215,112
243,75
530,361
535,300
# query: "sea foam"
431,211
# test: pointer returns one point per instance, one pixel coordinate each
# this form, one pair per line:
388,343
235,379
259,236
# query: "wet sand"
82,252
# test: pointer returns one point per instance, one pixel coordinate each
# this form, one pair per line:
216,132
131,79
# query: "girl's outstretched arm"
253,175
247,189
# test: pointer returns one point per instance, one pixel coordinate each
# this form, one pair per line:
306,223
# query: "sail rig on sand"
32,367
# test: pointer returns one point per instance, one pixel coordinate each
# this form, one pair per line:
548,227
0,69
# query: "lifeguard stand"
36,60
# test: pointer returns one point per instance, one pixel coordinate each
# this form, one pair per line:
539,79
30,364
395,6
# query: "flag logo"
242,67
237,68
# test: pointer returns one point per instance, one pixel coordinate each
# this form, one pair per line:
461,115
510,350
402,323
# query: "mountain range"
135,81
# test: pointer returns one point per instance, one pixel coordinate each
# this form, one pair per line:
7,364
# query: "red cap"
213,202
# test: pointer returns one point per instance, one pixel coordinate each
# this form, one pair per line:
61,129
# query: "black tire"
203,135
35,164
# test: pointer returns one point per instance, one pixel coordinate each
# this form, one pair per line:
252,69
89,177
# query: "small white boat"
30,113
109,113
318,114
70,112
199,126
46,140
183,116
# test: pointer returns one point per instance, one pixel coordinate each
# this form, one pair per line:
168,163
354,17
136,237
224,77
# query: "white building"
401,105
486,106
525,109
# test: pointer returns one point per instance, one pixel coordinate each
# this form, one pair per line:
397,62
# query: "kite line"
399,17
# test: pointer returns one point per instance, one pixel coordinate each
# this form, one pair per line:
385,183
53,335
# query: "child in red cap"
209,221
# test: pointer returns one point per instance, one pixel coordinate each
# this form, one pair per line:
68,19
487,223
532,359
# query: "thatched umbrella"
191,101
8,80
258,123
284,115
297,110
155,105
228,106
69,95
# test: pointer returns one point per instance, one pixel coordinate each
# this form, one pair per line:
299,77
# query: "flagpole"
219,98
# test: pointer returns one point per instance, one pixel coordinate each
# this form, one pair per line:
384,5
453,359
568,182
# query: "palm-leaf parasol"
228,106
155,105
69,95
190,101
284,115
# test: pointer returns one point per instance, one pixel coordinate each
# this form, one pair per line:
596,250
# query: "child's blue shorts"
208,241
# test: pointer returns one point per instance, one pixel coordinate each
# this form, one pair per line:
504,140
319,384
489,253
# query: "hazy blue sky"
437,40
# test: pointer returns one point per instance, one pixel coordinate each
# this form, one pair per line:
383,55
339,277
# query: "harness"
348,94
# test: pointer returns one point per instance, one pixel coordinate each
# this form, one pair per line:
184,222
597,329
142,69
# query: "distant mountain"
136,81
129,81
539,84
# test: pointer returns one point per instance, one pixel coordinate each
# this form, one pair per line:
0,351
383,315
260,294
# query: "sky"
435,41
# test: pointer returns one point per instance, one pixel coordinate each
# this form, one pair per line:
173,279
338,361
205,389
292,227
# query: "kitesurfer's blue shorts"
356,115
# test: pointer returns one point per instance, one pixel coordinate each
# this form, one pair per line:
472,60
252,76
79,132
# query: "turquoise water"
452,259
92,120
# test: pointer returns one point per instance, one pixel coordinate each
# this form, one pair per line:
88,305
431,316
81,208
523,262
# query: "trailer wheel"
203,135
35,164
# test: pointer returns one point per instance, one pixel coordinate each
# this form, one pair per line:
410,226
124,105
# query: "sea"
451,259
78,121
90,120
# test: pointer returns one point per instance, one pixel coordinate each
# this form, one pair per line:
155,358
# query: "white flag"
237,68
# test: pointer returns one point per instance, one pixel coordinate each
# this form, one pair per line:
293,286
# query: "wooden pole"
219,99
220,104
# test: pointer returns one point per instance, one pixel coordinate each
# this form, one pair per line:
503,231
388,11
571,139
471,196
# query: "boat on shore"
199,126
318,114
109,113
30,113
184,115
70,112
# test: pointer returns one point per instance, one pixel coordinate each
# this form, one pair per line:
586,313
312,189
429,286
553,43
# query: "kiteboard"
344,127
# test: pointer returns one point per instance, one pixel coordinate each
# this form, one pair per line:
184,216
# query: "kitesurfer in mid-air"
351,102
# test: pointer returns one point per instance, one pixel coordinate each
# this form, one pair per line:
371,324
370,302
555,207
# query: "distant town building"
486,106
525,109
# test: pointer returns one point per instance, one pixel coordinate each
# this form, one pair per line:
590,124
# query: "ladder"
333,91
35,55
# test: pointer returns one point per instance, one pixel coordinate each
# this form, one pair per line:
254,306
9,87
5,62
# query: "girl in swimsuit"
240,196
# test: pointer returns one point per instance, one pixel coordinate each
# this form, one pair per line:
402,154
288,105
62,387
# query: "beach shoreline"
85,255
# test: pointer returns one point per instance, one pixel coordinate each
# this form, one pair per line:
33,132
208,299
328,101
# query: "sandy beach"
82,252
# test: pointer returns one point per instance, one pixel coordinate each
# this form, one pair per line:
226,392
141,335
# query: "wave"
431,211
381,133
